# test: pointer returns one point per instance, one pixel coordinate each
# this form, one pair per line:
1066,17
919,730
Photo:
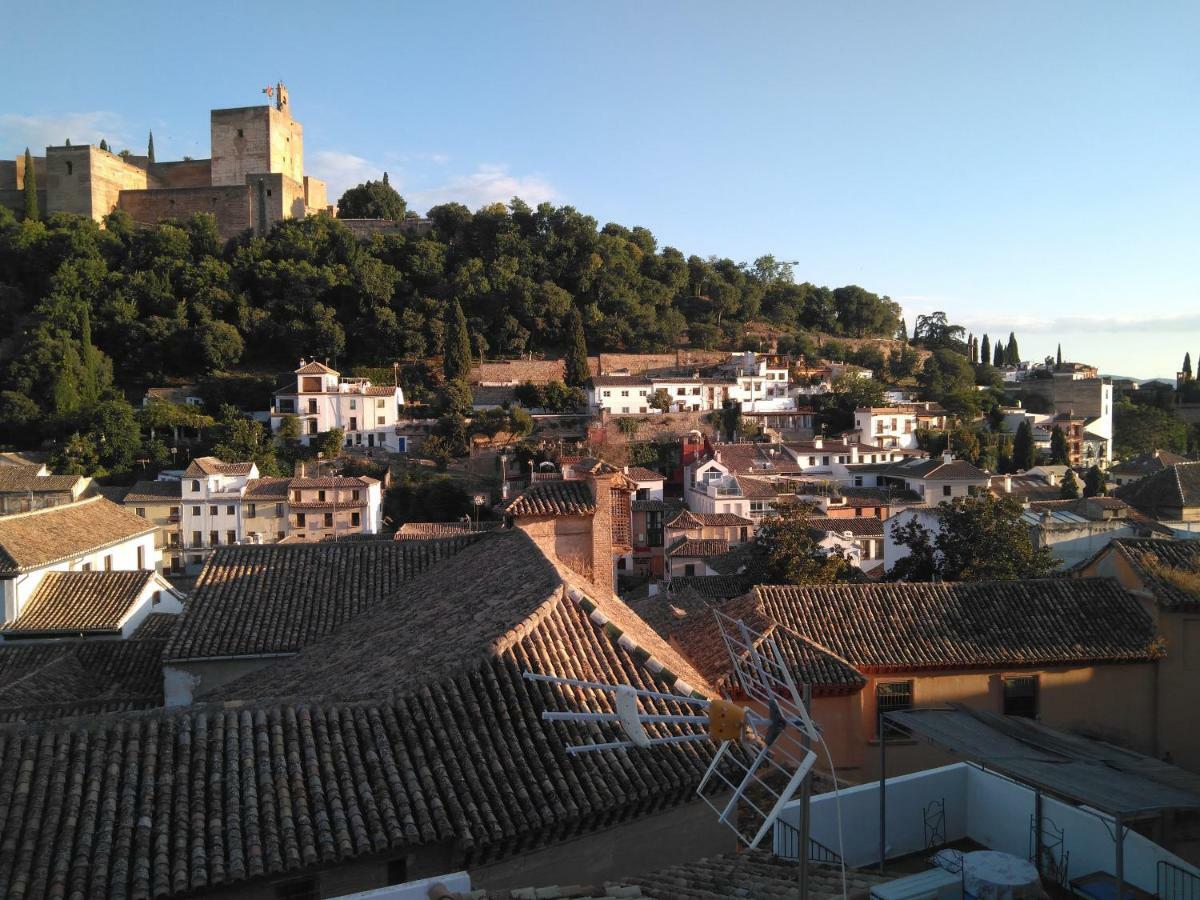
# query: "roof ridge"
47,509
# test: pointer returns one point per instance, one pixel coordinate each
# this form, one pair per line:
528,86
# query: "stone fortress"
254,178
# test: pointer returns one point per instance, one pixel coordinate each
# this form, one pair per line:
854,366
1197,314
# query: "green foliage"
985,351
31,198
1095,484
661,400
998,356
1141,429
1060,454
935,332
331,442
456,355
978,539
456,398
372,200
948,378
1012,355
1070,488
559,398
439,499
241,439
576,360
627,425
793,555
1024,454
1187,366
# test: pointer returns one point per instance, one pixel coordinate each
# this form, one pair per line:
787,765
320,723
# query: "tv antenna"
763,745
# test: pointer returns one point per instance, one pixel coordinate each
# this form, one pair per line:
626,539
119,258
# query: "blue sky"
1023,166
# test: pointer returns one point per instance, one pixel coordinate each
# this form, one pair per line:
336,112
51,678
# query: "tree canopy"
372,200
793,555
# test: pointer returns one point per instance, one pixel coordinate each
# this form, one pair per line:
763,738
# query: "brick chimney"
602,530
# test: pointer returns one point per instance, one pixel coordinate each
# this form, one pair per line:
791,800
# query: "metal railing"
787,845
1174,883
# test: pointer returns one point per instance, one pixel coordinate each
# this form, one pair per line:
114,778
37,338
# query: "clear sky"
1023,166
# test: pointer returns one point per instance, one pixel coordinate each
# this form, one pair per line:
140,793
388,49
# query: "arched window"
195,487
70,168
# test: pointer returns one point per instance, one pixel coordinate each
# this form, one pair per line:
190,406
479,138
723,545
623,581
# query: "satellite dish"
763,746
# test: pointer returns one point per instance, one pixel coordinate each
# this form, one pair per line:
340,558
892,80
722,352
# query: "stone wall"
110,175
15,200
12,173
184,173
241,143
286,145
230,205
316,197
638,363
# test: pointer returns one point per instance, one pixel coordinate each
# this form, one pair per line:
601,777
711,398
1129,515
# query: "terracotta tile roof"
50,679
712,587
381,390
24,479
423,531
78,602
1148,463
751,873
689,519
1154,560
278,598
1165,492
267,488
156,626
327,504
875,496
638,473
34,539
315,368
1024,487
754,458
210,465
554,498
154,492
757,488
332,481
456,752
859,526
698,547
745,558
955,470
963,625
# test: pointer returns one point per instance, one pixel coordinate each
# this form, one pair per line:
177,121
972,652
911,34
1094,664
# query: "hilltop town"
295,497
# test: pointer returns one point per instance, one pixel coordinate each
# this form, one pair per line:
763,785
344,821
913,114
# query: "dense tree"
150,149
976,539
103,145
1094,483
456,355
985,351
1060,455
948,378
372,200
935,331
902,332
1141,428
1024,452
1187,366
1012,354
575,362
998,355
793,555
1070,488
31,198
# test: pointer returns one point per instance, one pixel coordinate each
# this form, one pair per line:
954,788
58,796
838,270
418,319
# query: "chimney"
1008,484
853,453
819,442
602,530
948,456
1051,479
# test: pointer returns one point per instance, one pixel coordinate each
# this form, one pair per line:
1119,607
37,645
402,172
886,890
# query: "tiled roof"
423,531
1148,463
381,390
592,465
712,587
688,519
202,799
955,470
638,473
156,626
859,526
554,498
332,481
78,602
315,368
1166,491
50,679
964,624
210,465
267,488
1024,487
1170,569
26,479
34,539
154,492
757,488
696,547
754,458
750,874
278,598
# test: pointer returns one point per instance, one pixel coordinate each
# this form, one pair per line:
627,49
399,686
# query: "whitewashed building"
322,400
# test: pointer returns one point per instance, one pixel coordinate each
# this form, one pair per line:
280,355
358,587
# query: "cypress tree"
1094,483
456,358
902,332
575,361
1011,354
1059,454
1187,367
1058,358
31,203
1023,449
1070,486
985,351
103,144
150,149
972,350
998,356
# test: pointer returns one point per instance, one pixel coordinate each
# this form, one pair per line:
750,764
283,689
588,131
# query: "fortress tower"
254,178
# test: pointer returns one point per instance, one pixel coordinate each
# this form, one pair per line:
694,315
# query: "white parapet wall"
456,883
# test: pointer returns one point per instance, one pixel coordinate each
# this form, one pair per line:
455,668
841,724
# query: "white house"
92,605
322,401
894,551
934,480
649,484
92,535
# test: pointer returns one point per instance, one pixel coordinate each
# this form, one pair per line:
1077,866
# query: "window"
212,510
174,512
197,540
606,393
354,423
231,536
328,520
681,392
156,599
279,535
893,696
108,561
86,567
195,510
321,496
214,538
380,420
300,520
173,539
1020,696
297,889
241,133
229,510
858,512
355,519
379,403
945,490
353,403
251,511
624,393
354,494
141,557
296,496
195,487
279,509
195,559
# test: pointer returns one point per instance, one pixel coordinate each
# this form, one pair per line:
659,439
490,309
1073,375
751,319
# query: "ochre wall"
233,157
567,537
181,174
286,146
110,175
230,205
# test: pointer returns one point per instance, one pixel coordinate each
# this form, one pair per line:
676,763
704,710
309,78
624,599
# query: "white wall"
455,882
